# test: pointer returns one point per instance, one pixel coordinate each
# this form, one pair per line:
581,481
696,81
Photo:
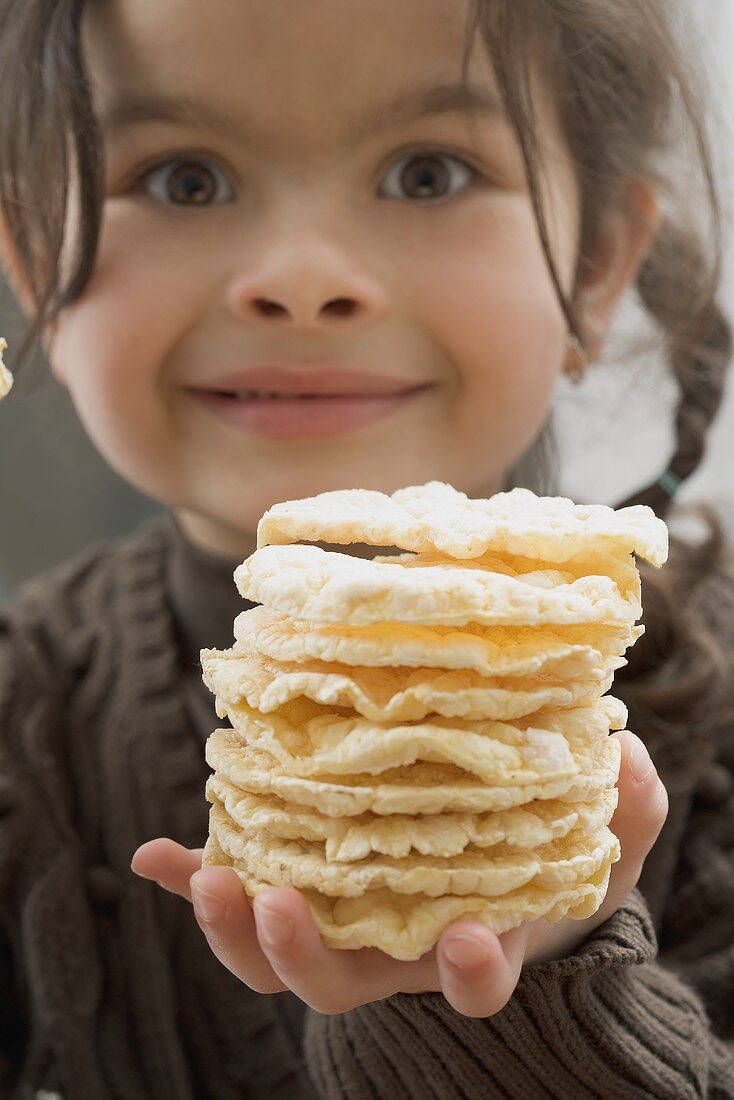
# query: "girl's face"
280,190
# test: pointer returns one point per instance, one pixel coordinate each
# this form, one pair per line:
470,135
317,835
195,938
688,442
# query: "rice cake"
436,516
443,834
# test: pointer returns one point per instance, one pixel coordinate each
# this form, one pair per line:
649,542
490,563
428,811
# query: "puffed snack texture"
423,736
6,378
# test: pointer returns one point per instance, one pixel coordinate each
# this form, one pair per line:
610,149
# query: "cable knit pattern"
110,991
115,992
608,1022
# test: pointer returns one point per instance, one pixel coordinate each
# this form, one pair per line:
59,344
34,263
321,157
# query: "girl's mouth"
282,404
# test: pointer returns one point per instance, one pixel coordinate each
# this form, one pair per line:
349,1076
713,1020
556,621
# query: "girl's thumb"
642,807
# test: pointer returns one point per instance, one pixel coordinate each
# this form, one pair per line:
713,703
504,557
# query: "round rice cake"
539,747
407,926
560,652
307,582
436,516
447,834
421,788
303,865
242,675
622,570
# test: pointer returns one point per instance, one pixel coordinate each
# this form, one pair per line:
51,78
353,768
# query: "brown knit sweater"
108,988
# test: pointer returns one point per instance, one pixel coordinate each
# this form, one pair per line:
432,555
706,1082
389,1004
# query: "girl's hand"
271,943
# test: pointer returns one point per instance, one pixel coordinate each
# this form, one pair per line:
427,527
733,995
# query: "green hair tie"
670,483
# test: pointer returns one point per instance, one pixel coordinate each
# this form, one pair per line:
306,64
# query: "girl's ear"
14,271
625,234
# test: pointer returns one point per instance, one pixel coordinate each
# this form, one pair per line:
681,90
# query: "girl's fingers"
221,907
332,981
641,811
382,975
225,917
326,980
640,814
329,981
167,863
479,970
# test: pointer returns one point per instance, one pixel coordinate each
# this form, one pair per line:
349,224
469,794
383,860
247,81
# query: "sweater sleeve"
608,1021
23,674
29,694
12,1016
12,1024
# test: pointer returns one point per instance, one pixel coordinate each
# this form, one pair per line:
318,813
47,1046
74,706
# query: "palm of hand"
245,935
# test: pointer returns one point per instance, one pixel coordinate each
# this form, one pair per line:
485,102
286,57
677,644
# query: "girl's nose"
300,295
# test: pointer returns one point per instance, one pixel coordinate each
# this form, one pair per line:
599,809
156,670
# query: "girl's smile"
282,403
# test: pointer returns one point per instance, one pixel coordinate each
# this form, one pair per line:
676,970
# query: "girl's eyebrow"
135,108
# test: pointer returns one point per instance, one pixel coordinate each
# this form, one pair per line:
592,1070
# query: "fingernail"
209,908
465,952
277,929
640,763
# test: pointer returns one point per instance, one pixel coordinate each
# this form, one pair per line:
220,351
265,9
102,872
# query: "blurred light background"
58,496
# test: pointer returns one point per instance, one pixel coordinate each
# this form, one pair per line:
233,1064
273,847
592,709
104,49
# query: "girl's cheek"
118,335
509,350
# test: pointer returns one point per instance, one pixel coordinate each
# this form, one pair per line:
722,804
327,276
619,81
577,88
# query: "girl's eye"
427,175
187,183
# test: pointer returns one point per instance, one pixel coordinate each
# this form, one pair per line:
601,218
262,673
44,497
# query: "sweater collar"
202,594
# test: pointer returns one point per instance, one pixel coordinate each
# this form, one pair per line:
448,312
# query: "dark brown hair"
623,85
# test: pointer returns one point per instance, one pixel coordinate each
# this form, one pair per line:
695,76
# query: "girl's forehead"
317,38
322,75
325,59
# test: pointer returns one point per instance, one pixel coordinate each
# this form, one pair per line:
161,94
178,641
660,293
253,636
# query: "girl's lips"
294,380
303,417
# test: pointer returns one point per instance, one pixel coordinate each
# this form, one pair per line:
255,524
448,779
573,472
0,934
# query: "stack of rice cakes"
424,737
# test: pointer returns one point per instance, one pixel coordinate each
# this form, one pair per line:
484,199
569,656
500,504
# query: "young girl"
415,216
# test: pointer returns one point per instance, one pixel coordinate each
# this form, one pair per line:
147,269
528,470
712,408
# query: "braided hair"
699,354
617,67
